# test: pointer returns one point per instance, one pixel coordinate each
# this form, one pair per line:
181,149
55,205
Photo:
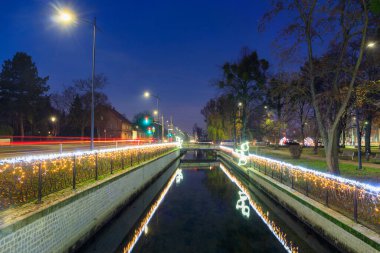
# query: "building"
112,124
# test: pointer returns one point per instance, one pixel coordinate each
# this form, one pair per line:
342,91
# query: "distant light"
53,119
371,44
265,107
240,104
155,112
146,94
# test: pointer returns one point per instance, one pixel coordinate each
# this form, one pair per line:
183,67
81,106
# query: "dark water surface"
202,211
199,214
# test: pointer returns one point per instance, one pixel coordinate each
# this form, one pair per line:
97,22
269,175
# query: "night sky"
172,48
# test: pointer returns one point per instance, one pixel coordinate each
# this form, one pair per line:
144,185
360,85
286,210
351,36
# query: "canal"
204,209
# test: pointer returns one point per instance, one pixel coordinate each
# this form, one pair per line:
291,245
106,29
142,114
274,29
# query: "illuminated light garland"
276,231
349,182
144,223
21,180
308,142
283,141
53,156
243,160
346,196
179,141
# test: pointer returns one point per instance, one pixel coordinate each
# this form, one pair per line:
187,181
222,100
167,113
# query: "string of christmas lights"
25,179
355,199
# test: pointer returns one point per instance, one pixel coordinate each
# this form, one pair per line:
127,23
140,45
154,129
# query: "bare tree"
350,19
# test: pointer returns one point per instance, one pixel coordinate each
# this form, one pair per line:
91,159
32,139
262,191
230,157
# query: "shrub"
295,150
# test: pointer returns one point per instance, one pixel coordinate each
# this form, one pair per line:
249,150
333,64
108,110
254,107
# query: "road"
9,151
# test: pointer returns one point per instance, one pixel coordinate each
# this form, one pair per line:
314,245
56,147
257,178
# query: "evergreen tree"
22,91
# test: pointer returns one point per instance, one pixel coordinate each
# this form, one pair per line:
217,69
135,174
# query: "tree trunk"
82,131
244,121
368,128
331,151
344,138
359,138
303,134
280,123
22,125
234,131
315,150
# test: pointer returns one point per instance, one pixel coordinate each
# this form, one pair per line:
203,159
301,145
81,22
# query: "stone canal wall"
335,227
64,226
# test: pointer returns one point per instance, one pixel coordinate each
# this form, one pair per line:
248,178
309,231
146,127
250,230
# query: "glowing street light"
53,119
371,44
147,94
65,16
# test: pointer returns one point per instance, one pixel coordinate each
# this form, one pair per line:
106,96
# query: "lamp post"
53,120
67,17
240,106
147,94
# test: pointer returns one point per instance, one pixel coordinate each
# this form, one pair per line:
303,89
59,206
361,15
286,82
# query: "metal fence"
358,201
27,179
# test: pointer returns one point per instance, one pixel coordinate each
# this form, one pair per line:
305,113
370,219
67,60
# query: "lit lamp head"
53,119
155,112
371,44
65,17
146,94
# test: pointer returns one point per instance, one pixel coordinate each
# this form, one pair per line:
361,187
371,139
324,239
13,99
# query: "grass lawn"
367,174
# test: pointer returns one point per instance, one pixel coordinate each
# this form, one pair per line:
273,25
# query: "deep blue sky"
172,48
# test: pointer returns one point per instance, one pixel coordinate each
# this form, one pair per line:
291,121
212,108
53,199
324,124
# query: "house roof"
118,115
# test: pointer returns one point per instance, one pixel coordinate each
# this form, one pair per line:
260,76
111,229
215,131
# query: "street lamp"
53,120
371,44
68,17
147,94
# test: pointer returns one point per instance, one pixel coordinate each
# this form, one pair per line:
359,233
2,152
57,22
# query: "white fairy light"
31,158
364,186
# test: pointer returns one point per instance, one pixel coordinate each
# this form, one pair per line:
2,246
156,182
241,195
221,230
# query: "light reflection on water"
143,226
200,216
245,211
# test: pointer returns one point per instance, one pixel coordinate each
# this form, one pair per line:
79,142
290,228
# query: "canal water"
205,210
